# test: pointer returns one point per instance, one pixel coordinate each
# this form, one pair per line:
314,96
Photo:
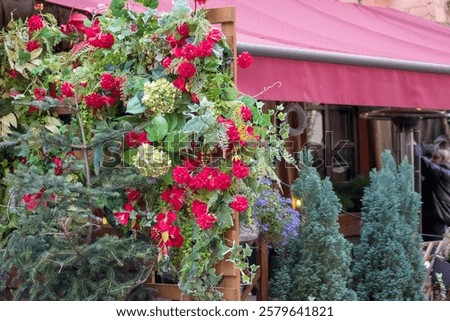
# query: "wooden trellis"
230,284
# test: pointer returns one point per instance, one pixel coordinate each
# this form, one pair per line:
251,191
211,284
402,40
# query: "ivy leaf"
117,7
24,56
158,129
152,4
134,106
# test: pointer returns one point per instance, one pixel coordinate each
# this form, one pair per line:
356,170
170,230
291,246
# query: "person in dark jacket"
435,193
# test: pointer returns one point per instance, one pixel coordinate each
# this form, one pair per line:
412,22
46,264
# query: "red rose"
13,73
244,60
183,29
32,45
189,52
206,222
32,109
180,83
204,48
214,35
199,208
40,93
35,22
222,181
240,203
181,175
200,2
186,70
94,101
128,207
174,196
39,6
134,139
240,169
108,82
246,113
167,62
67,89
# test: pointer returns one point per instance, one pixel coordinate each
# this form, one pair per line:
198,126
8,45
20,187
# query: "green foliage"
351,192
318,260
388,260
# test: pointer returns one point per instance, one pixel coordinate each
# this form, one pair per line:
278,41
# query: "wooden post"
226,17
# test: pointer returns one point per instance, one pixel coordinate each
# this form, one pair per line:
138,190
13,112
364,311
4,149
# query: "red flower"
23,160
183,30
75,23
186,70
166,62
204,48
32,201
174,196
57,169
203,179
95,101
200,2
232,131
108,82
134,139
214,35
128,207
165,233
32,109
32,45
13,73
244,60
67,89
222,181
240,203
122,217
181,175
40,93
206,222
199,208
194,98
246,113
35,22
240,169
104,40
190,52
191,164
180,83
133,195
39,6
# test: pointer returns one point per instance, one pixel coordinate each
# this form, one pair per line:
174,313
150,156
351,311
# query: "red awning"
338,53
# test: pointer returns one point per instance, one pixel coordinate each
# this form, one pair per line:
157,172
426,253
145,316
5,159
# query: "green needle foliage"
388,260
316,264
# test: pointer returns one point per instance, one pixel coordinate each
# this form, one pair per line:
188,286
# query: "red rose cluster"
110,95
187,53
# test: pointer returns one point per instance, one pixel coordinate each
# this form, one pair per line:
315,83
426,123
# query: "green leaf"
128,156
117,7
152,4
172,120
158,129
24,56
134,106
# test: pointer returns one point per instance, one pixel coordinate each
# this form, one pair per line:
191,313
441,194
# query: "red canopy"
338,53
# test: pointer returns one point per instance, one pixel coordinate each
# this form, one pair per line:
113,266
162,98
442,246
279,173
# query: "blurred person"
435,193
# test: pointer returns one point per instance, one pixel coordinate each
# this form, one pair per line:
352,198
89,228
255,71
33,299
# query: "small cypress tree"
388,259
319,261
